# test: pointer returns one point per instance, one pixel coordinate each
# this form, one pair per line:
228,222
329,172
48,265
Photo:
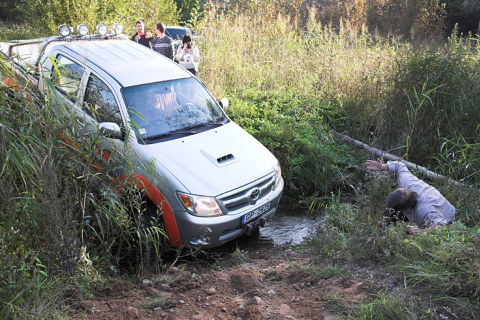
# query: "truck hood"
213,162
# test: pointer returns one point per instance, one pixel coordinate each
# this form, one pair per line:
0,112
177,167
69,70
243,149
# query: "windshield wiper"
169,134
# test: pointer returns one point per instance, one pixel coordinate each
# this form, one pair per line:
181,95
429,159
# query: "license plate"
255,213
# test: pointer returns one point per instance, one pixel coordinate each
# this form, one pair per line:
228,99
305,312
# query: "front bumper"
205,233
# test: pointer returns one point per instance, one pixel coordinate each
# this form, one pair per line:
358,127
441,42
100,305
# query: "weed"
385,306
161,300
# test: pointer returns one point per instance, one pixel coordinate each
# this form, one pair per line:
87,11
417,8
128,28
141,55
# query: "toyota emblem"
255,194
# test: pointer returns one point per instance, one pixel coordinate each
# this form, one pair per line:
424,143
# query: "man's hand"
148,35
415,231
137,37
375,165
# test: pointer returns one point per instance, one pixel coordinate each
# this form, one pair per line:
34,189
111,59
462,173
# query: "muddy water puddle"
286,227
289,227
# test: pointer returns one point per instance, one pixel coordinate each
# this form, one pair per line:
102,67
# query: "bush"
47,15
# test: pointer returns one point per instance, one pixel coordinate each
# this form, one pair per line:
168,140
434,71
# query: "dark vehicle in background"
177,33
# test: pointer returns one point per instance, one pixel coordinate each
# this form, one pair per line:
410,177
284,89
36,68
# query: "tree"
464,13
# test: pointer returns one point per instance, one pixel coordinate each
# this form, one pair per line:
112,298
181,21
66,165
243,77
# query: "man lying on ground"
415,200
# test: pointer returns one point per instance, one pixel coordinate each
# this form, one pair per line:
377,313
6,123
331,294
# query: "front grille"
239,200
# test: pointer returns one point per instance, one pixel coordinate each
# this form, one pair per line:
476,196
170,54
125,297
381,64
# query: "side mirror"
110,129
224,103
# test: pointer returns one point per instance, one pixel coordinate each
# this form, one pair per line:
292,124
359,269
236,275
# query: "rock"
258,300
133,313
147,283
211,291
181,301
173,270
165,287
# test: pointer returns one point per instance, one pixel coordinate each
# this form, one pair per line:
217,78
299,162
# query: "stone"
147,283
211,291
173,270
133,313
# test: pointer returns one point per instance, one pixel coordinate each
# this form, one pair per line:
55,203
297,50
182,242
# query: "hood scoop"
218,155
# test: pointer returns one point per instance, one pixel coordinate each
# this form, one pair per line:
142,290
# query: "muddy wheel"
152,225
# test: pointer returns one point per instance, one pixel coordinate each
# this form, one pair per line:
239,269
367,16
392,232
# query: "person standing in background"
142,37
188,55
163,44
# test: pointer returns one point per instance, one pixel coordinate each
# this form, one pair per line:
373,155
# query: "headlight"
102,29
118,28
64,30
82,30
278,175
200,206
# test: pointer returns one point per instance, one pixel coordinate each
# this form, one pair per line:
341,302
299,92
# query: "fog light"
102,29
118,28
64,30
82,30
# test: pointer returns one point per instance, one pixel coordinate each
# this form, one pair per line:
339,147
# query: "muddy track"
272,283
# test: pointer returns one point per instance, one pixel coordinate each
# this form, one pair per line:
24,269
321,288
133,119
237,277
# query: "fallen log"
390,157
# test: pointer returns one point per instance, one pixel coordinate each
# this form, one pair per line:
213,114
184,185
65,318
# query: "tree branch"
388,156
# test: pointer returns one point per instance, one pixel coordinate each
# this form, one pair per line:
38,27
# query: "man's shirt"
164,46
147,42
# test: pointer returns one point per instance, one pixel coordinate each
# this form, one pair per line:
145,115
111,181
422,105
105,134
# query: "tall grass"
438,271
416,101
61,220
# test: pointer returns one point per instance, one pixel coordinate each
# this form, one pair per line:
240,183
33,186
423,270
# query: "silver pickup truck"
207,179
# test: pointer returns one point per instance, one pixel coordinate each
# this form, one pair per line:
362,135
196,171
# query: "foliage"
462,14
434,98
191,11
299,138
18,31
47,15
443,263
60,220
386,306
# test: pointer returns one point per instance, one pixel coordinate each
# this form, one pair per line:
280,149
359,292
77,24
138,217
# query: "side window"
100,103
66,76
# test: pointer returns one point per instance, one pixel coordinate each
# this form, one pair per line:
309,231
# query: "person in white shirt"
188,55
416,200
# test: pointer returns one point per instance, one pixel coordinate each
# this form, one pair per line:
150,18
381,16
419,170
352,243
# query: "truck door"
100,106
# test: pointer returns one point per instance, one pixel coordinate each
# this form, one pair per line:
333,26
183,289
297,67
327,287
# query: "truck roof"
128,62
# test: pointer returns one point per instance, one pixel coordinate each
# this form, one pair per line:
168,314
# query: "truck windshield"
162,108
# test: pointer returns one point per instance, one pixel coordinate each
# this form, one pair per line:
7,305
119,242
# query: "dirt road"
276,282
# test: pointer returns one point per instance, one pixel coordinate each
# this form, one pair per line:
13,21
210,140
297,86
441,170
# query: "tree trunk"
388,156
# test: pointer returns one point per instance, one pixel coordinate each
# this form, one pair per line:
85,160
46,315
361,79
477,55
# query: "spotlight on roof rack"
118,28
82,29
102,29
64,30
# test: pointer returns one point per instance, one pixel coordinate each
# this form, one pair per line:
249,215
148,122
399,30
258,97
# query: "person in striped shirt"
163,44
